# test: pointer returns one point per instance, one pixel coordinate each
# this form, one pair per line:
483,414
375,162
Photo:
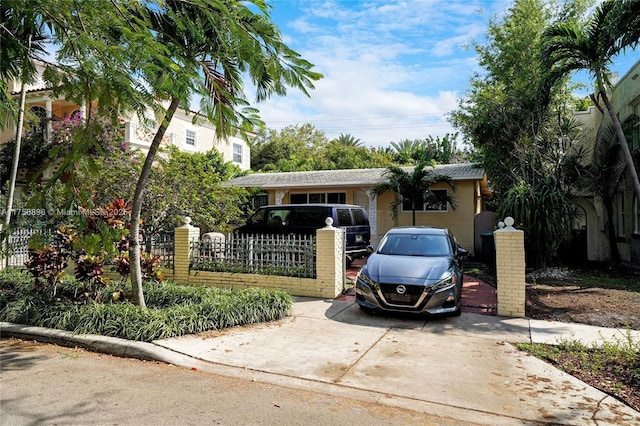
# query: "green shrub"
14,278
173,310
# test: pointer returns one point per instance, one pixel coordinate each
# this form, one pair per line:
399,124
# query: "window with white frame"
318,197
190,137
436,202
260,200
39,118
237,153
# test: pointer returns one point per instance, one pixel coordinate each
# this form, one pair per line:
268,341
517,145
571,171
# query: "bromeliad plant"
149,264
89,243
47,262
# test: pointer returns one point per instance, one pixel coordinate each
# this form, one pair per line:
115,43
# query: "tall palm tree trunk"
622,140
611,231
136,207
16,158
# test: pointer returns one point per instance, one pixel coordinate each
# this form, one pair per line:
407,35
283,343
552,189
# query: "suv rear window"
344,217
359,217
309,216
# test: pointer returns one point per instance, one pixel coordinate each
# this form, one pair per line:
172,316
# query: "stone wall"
330,274
510,269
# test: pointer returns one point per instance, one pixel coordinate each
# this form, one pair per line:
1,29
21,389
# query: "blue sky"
393,69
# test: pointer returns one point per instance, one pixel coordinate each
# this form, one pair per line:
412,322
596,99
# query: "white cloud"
393,69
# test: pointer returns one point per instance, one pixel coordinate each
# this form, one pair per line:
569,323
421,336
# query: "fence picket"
287,255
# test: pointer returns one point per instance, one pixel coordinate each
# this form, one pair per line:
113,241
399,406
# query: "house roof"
350,177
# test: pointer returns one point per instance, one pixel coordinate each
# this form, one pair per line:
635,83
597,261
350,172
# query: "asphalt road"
42,384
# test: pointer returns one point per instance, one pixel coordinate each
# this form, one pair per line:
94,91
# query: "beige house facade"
182,132
354,187
625,97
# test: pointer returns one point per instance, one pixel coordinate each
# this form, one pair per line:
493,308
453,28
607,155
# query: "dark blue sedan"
414,269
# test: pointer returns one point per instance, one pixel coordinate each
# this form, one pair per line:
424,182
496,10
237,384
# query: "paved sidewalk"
460,367
465,368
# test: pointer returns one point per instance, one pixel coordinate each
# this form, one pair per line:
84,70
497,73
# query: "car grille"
409,298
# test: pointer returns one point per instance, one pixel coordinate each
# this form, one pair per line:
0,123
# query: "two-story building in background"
625,97
182,132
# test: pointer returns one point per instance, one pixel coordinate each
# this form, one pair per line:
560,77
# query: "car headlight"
362,276
449,281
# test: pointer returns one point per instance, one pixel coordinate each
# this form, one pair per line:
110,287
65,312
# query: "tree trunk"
16,160
622,140
611,231
136,208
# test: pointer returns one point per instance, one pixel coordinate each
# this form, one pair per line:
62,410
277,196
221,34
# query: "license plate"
400,298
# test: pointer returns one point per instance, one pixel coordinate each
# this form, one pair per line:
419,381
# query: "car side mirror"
370,249
463,252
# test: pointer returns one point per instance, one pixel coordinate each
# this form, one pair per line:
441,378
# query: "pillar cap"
506,224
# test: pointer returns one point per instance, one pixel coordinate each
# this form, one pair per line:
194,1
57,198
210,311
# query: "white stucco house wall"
182,131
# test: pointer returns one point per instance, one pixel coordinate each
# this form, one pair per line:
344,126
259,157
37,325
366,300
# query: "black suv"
305,219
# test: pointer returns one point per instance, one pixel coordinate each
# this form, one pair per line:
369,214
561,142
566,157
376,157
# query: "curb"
108,345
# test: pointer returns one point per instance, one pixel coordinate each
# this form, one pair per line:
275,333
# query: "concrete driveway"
464,367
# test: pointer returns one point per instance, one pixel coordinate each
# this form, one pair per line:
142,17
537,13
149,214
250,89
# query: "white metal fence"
161,245
286,255
18,246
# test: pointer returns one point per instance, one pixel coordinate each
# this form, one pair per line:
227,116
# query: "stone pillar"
510,269
330,260
183,236
280,194
373,216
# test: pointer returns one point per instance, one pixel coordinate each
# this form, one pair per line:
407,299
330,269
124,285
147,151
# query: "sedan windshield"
415,245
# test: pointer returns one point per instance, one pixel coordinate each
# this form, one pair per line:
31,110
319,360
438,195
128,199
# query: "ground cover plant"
173,310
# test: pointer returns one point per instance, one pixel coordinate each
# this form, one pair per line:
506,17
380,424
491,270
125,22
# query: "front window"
38,119
319,198
260,200
190,138
237,153
277,218
436,201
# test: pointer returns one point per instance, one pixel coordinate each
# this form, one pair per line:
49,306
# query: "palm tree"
605,176
211,45
21,37
413,187
568,47
408,150
348,140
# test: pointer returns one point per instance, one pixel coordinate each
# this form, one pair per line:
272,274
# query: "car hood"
413,270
